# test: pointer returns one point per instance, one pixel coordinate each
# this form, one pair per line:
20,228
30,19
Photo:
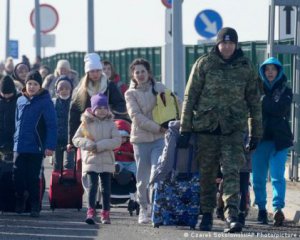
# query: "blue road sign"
208,23
13,48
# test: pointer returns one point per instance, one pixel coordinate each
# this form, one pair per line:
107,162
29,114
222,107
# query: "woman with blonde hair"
92,83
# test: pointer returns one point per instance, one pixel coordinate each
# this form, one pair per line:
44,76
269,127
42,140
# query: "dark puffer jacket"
7,123
276,106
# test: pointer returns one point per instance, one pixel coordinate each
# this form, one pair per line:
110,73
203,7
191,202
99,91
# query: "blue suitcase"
176,200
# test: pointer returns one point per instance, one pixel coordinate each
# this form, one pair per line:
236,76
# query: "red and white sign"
167,3
48,17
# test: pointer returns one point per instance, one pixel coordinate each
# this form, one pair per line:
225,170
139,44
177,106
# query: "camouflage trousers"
213,150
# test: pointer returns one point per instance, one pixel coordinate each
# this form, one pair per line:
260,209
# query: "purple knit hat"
99,100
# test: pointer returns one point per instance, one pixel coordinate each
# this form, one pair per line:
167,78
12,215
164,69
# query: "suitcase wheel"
192,227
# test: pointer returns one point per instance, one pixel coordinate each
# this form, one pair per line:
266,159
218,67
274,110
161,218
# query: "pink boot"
90,216
105,217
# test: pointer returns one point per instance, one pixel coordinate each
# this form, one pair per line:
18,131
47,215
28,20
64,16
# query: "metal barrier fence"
121,59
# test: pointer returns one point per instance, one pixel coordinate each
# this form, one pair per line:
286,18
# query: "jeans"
92,188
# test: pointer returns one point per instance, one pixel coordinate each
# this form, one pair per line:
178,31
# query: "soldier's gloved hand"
183,140
252,143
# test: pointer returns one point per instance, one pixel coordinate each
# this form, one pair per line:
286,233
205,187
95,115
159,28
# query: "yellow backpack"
166,108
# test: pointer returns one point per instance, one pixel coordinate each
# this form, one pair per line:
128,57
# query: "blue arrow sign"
208,23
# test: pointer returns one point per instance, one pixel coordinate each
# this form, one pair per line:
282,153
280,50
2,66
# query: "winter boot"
233,225
90,216
262,217
278,218
105,219
21,202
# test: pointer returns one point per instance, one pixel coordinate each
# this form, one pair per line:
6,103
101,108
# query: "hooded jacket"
276,106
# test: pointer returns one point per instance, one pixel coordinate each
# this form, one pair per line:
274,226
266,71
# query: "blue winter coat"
36,128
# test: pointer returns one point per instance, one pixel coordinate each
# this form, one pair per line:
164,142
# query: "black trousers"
26,175
93,181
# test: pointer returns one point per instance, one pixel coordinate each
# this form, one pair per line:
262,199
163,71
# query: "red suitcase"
65,190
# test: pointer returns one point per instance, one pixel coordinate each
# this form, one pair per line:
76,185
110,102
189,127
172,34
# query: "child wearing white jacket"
96,137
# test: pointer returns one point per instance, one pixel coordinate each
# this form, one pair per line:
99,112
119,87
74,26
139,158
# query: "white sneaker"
143,218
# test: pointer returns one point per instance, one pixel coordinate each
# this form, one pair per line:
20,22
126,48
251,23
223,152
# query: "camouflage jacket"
222,94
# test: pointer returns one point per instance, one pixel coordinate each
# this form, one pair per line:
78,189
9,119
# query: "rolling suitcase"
65,190
176,200
7,188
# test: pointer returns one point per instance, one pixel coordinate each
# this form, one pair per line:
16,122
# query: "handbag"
166,108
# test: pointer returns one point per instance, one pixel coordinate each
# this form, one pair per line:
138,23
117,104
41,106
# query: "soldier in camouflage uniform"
221,94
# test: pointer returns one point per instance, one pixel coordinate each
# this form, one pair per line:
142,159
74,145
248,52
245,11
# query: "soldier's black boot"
206,222
233,225
262,217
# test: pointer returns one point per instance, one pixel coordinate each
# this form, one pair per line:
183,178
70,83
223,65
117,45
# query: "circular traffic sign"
48,17
167,3
208,23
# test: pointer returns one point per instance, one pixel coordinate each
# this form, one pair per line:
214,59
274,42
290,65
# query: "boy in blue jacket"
35,137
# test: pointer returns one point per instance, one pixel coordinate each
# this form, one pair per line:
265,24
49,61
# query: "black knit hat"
34,75
227,34
67,81
7,85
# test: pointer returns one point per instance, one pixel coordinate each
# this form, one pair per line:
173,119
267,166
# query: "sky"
123,24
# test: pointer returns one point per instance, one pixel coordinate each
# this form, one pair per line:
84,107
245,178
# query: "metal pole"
90,13
297,102
7,28
177,49
37,29
271,29
166,56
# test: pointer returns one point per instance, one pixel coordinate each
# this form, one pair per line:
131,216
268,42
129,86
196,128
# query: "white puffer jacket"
105,135
140,102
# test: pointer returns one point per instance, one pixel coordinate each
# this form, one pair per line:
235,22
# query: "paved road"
69,224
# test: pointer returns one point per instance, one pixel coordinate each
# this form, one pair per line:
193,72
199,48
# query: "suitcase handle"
190,159
61,178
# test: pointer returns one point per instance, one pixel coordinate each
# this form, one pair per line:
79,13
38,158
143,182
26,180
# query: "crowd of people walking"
234,112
